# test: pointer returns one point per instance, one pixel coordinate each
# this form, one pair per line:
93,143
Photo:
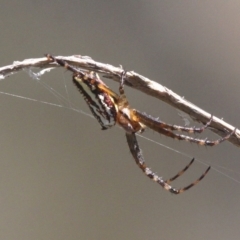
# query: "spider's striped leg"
149,121
202,142
95,80
180,172
169,133
137,155
196,181
65,65
122,80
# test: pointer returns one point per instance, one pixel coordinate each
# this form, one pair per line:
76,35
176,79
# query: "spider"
110,108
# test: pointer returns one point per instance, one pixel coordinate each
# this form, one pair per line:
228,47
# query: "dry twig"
133,80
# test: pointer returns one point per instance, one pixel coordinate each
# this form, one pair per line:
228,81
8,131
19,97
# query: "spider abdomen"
100,103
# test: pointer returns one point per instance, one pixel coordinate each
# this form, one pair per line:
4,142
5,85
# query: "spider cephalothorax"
110,108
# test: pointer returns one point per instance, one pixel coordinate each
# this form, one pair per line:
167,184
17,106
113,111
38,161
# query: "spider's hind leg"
65,65
180,173
139,159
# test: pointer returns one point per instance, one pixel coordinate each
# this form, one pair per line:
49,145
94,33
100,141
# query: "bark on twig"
133,80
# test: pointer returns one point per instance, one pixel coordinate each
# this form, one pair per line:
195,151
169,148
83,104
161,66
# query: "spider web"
65,102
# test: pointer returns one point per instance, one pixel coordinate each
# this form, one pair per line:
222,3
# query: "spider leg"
180,172
137,155
65,65
151,121
202,142
122,80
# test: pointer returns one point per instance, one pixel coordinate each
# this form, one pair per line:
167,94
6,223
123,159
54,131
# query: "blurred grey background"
61,177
